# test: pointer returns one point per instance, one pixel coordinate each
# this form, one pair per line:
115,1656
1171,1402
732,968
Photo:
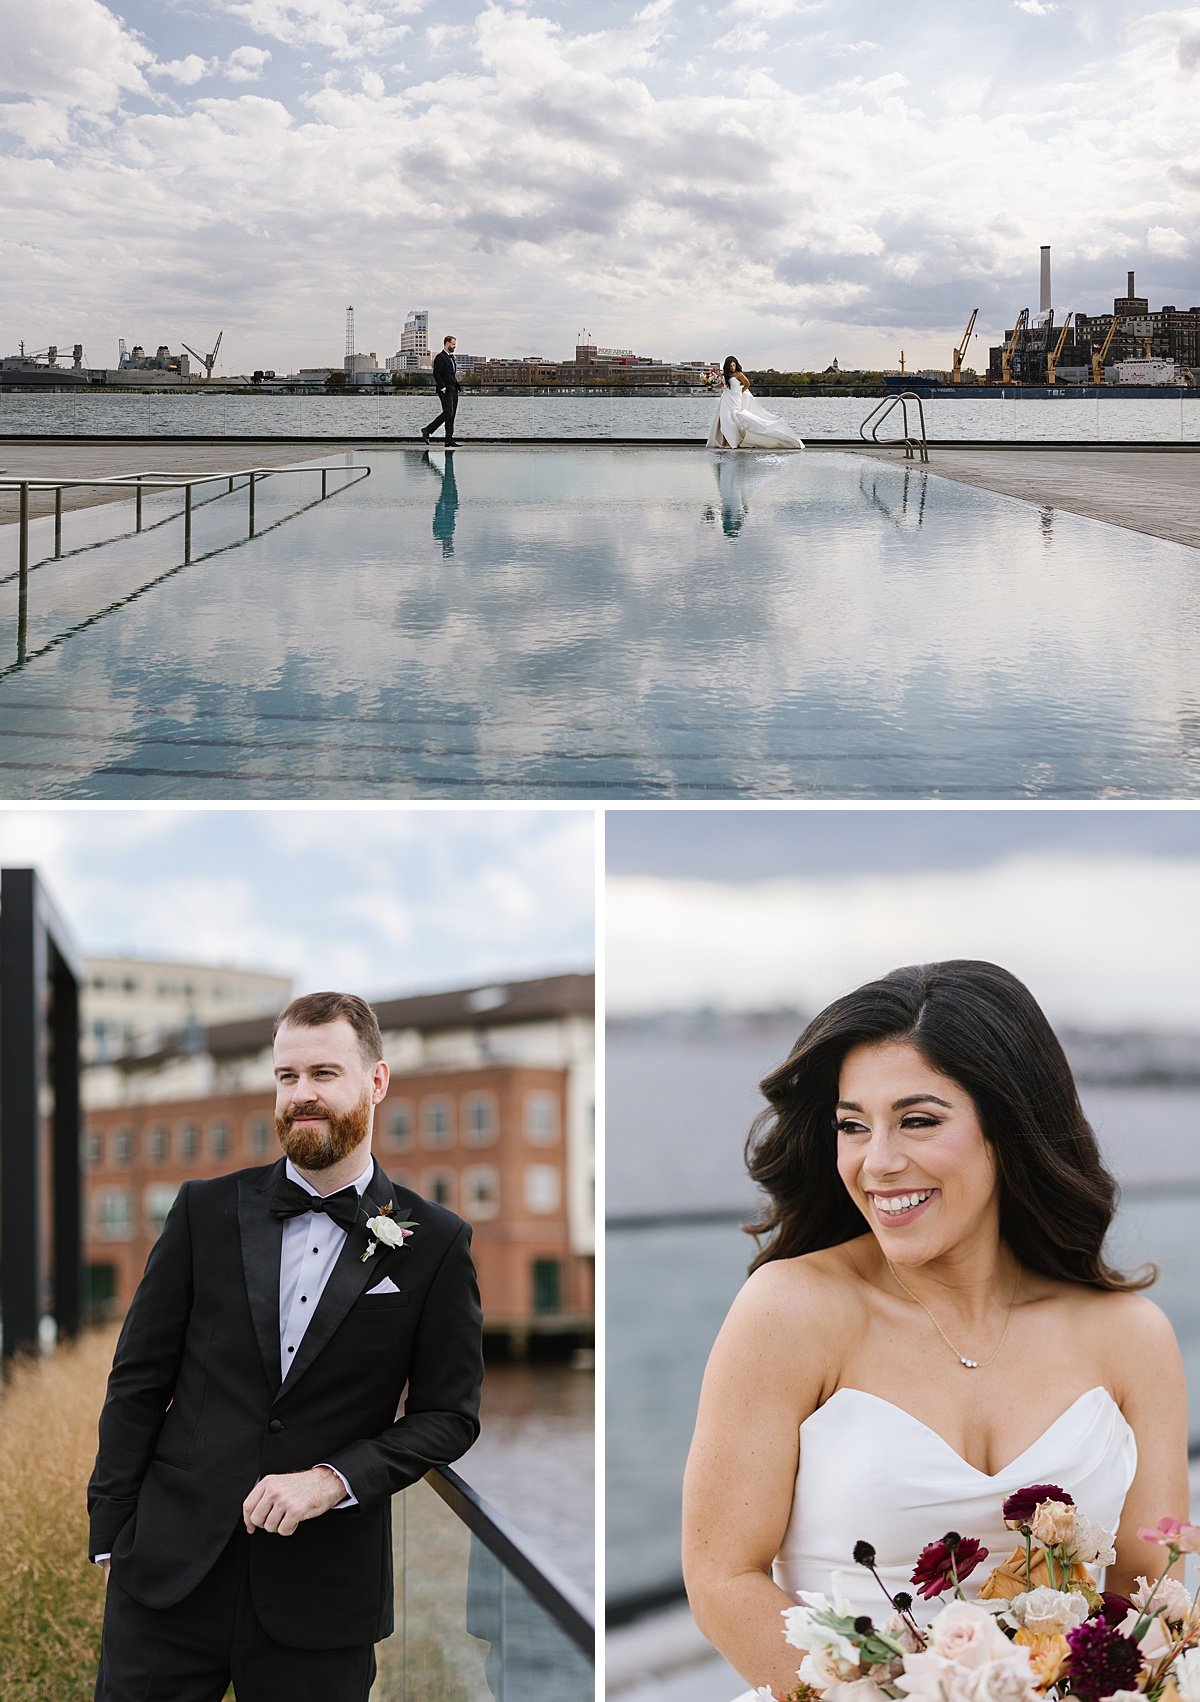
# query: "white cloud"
188,70
347,29
246,64
1096,939
1035,8
1164,239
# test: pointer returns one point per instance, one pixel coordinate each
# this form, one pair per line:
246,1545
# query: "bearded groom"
305,1342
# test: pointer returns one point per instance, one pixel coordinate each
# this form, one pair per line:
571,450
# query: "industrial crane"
1006,354
960,351
1052,358
207,361
1098,360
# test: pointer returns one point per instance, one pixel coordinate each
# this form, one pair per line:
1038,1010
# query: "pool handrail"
880,412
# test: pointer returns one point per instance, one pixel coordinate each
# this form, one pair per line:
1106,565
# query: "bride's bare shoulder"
823,1290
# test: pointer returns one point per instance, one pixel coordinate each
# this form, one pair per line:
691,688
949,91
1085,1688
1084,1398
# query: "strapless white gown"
871,1472
743,423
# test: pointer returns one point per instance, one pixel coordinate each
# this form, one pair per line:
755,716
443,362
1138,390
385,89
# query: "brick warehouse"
489,1111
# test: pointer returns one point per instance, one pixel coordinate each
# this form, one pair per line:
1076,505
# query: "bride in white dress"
742,422
931,1324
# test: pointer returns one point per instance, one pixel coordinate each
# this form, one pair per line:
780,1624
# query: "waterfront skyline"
792,179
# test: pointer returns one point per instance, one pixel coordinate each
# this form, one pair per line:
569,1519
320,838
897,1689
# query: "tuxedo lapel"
262,1245
350,1275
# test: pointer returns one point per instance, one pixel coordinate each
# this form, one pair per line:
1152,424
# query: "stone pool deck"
1152,489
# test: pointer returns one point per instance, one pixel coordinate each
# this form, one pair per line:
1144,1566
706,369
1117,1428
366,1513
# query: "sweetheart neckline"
990,1477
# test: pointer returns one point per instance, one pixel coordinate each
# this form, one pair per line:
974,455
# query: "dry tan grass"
52,1599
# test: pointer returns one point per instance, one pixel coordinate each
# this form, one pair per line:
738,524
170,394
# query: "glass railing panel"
476,1621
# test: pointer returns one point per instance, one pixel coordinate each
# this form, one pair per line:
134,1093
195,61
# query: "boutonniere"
386,1231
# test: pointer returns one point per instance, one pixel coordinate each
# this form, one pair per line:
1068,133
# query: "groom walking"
250,1440
445,382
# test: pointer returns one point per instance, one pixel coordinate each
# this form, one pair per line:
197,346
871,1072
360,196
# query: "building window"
189,1141
399,1126
122,1146
258,1137
541,1118
220,1140
482,1119
114,1214
542,1190
435,1122
547,1285
93,1149
157,1145
481,1191
438,1186
159,1198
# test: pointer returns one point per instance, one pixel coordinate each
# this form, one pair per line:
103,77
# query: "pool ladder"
879,413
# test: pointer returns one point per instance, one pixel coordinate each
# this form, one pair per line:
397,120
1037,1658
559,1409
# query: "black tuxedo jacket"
444,375
196,1412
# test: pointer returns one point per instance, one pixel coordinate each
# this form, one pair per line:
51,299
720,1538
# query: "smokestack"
1131,283
1045,305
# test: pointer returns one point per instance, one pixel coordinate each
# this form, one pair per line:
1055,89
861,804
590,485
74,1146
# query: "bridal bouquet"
1038,1631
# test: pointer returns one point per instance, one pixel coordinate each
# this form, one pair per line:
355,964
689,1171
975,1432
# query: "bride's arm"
764,1377
1151,1391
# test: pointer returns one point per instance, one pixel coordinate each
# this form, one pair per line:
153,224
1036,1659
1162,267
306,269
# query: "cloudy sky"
794,179
381,901
745,909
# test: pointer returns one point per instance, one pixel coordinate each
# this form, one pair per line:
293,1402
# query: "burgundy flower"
1101,1660
1022,1504
938,1563
1113,1607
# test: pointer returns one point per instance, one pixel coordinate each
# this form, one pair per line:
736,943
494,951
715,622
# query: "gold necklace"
970,1364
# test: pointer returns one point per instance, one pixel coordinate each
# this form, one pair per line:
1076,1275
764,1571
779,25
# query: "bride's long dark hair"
729,366
977,1024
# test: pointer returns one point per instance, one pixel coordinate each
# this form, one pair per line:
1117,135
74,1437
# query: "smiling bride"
930,1324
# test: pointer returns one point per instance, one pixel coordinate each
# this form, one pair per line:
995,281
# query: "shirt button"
304,1299
291,1350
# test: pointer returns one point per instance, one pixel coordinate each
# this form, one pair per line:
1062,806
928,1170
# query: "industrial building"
1130,345
490,1111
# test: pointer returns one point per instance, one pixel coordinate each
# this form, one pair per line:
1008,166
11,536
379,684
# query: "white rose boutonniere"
386,1231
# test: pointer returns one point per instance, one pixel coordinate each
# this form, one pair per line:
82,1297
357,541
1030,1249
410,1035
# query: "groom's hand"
283,1501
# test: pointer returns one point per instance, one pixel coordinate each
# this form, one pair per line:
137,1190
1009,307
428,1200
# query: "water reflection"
446,511
739,477
598,643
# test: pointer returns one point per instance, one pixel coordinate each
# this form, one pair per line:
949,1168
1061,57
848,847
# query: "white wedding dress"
743,423
871,1472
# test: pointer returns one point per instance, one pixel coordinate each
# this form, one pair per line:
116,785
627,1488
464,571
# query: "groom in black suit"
249,1441
445,382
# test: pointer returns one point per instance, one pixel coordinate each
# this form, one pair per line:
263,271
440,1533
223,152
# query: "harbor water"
1091,419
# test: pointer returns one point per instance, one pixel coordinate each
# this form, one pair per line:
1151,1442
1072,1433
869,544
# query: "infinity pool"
591,622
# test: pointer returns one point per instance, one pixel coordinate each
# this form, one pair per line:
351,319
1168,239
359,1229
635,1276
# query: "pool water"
593,622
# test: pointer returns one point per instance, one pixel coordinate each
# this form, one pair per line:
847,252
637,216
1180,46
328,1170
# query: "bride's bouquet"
1038,1628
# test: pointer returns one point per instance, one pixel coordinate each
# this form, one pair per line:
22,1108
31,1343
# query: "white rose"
1046,1612
1187,1675
968,1635
1009,1680
391,1234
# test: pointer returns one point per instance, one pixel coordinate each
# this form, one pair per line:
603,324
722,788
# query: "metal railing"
139,483
912,444
480,1617
153,479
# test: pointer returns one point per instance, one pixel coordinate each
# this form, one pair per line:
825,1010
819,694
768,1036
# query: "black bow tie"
290,1200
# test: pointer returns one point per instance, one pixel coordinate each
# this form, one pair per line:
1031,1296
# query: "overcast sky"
791,179
745,909
380,902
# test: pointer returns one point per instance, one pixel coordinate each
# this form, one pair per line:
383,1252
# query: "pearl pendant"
971,1364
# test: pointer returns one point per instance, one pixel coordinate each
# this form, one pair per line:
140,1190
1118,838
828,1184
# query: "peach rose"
1053,1525
1047,1655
